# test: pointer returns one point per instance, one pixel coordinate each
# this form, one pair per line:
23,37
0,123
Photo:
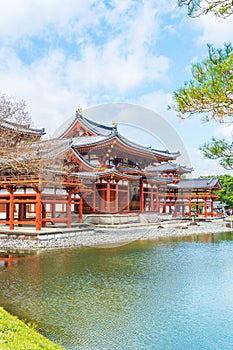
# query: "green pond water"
167,294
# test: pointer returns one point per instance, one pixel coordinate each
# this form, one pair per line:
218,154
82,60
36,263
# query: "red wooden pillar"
152,198
43,214
142,202
197,211
108,197
38,210
164,205
212,207
117,198
80,210
12,211
170,206
53,209
53,205
183,208
21,212
94,198
68,209
190,207
205,207
157,200
102,199
175,208
128,197
7,211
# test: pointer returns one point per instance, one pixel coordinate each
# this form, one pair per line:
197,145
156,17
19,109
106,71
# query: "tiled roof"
85,141
199,183
166,167
54,148
103,133
85,175
89,140
166,180
24,129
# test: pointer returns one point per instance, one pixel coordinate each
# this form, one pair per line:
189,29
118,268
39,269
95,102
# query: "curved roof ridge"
146,148
92,122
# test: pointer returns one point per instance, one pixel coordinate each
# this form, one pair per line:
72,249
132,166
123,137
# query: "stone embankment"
112,235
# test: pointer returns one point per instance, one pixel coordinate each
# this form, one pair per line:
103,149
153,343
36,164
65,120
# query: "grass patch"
16,335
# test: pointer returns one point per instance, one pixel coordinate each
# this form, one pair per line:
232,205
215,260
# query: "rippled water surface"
168,294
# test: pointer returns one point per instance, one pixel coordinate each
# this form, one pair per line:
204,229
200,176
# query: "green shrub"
16,335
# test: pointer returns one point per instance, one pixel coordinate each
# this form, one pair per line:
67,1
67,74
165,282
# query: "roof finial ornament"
114,128
78,112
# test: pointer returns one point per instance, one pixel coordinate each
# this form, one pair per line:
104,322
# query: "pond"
164,294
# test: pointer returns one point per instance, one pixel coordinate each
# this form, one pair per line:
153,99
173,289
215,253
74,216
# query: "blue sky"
59,55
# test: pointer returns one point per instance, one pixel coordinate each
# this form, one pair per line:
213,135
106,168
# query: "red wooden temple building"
107,174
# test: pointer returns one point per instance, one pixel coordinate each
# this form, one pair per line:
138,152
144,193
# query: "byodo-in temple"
108,174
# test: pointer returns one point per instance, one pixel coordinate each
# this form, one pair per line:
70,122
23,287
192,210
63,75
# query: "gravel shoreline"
115,236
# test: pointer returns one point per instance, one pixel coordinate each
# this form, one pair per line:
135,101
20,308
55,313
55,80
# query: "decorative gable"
77,129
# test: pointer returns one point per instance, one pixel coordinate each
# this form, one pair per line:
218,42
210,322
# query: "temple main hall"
101,172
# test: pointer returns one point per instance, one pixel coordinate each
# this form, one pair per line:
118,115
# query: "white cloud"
225,131
214,30
127,58
109,68
112,52
19,18
157,101
48,100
